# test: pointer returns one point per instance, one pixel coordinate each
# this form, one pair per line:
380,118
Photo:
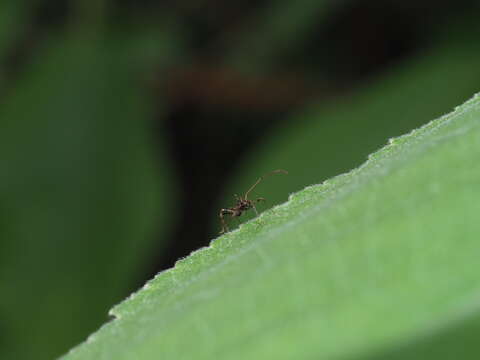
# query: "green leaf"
381,260
79,194
328,139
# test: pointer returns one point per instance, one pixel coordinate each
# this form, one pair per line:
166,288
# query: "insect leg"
222,219
253,205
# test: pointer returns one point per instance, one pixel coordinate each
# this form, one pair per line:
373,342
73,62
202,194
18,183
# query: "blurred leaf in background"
80,194
339,135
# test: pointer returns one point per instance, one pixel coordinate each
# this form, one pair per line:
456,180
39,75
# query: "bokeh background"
125,125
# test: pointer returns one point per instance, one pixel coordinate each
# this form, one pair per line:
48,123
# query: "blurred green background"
125,125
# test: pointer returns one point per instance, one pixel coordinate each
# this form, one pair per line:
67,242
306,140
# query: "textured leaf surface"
383,259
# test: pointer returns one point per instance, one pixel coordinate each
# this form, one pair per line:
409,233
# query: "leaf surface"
380,260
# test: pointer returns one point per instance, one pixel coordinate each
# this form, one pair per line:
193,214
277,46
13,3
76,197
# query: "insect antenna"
279,171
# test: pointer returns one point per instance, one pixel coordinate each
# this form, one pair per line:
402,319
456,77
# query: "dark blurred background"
125,125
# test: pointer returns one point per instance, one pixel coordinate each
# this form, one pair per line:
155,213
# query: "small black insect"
243,203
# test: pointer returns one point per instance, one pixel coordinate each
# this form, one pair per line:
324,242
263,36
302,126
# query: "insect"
244,203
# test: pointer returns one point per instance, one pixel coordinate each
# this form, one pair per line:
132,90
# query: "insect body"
244,203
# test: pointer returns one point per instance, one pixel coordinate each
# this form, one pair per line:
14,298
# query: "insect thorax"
244,205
